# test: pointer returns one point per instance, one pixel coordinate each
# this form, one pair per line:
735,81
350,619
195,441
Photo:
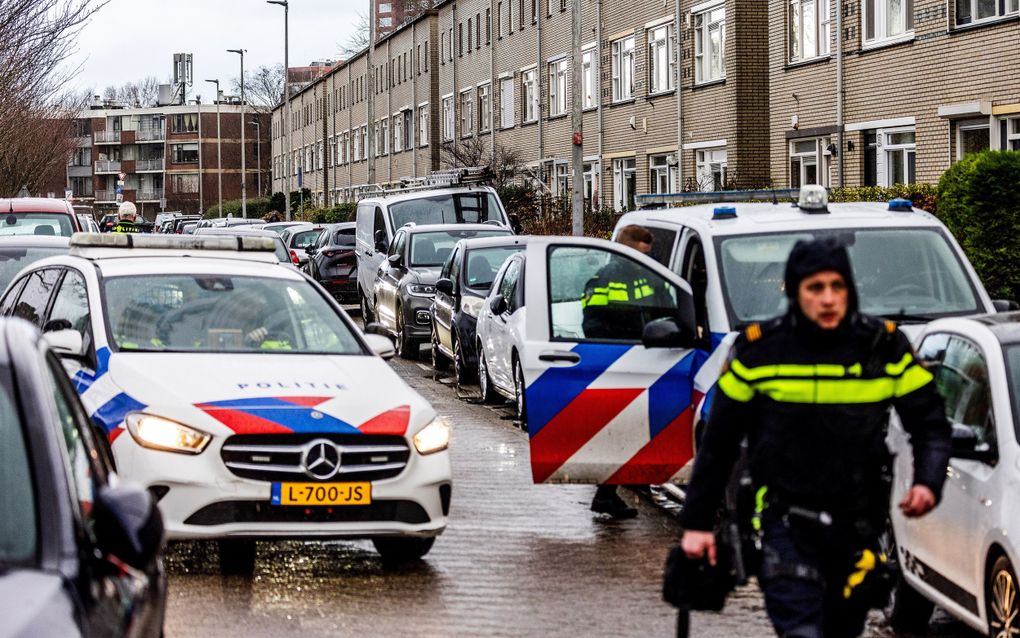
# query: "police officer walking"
127,214
811,391
612,309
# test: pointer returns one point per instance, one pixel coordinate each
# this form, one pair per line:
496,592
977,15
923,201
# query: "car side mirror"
666,333
515,224
497,305
65,342
444,286
376,328
965,444
1005,305
394,260
128,525
380,345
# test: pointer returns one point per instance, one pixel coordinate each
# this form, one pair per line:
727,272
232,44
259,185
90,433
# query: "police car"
240,393
964,554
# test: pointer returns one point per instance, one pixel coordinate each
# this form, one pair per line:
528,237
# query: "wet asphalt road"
516,560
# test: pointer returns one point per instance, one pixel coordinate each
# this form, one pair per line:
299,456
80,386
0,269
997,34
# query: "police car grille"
277,457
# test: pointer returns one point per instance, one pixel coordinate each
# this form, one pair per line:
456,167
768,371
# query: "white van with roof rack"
455,196
907,265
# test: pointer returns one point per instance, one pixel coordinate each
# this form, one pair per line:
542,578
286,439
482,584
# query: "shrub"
977,200
923,196
333,215
257,207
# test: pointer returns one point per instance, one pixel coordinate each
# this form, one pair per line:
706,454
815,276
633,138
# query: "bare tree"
358,40
36,115
111,93
505,164
263,87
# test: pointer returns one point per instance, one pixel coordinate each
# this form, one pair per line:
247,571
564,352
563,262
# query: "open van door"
609,372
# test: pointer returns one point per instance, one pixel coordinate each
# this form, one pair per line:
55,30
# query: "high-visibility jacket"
124,226
814,407
619,300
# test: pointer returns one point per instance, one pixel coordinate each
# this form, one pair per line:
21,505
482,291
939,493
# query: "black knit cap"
809,257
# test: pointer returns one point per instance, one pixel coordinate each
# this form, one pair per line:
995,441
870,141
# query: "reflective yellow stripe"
896,369
795,370
828,391
916,376
867,563
735,389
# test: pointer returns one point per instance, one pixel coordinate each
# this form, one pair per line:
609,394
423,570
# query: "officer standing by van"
127,214
811,392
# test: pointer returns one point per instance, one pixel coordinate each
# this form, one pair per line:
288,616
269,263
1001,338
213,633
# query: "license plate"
321,494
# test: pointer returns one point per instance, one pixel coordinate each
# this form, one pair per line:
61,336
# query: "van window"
662,244
380,224
474,207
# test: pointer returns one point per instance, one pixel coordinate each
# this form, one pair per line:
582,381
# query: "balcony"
149,165
107,166
151,195
106,196
107,137
150,135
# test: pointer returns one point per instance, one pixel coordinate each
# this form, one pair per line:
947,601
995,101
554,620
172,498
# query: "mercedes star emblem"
322,459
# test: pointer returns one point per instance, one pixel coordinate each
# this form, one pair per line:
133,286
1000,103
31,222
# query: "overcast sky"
130,39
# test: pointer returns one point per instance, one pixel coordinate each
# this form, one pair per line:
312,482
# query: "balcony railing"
106,196
149,165
153,195
107,166
150,135
109,137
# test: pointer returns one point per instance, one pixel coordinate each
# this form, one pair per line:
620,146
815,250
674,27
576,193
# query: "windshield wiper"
905,317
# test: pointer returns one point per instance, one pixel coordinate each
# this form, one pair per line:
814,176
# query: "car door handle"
565,357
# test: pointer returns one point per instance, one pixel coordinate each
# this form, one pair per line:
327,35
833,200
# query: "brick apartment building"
756,105
168,155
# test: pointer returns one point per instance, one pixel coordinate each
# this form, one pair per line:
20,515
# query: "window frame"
449,119
821,25
558,87
702,32
506,103
661,44
483,96
467,118
1003,9
623,68
705,160
529,96
970,125
589,78
879,18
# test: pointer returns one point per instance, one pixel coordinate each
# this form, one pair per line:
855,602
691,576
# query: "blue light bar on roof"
724,212
901,205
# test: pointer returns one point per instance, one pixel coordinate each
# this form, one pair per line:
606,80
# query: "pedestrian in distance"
127,216
811,392
610,312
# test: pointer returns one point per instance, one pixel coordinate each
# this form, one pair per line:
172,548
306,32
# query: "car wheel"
237,556
366,314
519,401
461,371
484,380
1001,600
397,550
407,348
439,362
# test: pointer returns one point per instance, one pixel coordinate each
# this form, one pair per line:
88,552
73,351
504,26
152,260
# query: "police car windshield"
482,264
47,224
473,207
14,258
18,529
431,250
217,313
899,272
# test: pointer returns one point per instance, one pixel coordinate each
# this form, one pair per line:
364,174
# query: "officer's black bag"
694,584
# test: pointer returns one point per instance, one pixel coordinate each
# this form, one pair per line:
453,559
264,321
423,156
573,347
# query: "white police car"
964,554
240,394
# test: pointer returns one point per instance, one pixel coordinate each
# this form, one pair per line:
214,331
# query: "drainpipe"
415,142
493,38
839,94
598,95
538,76
679,100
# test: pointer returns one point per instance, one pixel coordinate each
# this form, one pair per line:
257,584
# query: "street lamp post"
219,150
286,100
244,173
258,153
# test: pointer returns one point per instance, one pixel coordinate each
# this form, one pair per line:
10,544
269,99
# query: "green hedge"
924,196
257,207
979,201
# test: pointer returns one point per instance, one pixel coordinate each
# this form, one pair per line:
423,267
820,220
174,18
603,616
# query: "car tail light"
294,258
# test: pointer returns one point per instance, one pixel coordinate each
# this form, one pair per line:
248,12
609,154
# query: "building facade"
169,156
678,95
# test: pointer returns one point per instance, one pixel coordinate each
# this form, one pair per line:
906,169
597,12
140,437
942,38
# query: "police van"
239,393
907,267
445,197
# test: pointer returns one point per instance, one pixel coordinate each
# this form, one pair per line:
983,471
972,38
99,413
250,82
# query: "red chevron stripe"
390,422
114,433
662,457
244,423
308,402
574,426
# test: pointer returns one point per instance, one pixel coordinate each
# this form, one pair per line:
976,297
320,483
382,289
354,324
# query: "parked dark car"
461,289
332,262
182,221
406,281
298,238
108,221
80,554
38,216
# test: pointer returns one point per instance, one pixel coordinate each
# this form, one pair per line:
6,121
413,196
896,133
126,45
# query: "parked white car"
963,556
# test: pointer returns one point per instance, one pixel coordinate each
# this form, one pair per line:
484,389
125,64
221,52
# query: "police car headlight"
421,290
471,305
434,437
157,433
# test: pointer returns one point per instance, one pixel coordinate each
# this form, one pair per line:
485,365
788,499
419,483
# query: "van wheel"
366,314
911,611
399,550
485,389
1001,600
237,556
